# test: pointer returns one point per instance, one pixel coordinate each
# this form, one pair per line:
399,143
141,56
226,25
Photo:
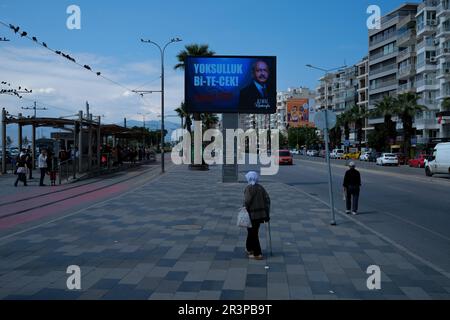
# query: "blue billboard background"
214,84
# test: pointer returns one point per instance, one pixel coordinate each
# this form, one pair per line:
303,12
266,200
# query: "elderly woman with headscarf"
257,203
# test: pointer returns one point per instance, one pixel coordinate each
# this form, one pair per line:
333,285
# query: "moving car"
387,159
419,161
295,151
285,157
439,162
365,156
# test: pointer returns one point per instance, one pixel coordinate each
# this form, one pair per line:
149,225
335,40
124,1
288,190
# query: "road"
399,203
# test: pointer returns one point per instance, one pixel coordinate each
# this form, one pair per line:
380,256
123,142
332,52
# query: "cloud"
65,87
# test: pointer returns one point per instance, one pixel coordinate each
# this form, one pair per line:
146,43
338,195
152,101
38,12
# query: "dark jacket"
257,203
250,95
352,178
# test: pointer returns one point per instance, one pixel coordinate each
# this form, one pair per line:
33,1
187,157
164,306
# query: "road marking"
384,173
383,237
84,209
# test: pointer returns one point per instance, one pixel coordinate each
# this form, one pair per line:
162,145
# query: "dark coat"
352,179
250,95
257,203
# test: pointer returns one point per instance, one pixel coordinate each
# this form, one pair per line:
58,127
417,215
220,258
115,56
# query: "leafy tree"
386,108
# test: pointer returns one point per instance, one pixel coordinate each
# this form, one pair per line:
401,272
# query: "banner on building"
300,113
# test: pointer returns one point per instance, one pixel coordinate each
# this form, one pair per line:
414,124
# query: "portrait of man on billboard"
260,94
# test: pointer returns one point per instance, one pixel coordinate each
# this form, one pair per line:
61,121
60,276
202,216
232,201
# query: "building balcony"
444,93
429,5
442,10
426,85
407,87
428,28
407,53
431,104
390,69
443,31
380,55
442,52
429,43
407,71
426,123
391,37
443,73
406,38
383,86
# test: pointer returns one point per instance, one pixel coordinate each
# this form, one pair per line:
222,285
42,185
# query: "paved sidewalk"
176,238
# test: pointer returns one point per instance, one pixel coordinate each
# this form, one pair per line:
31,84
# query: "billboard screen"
299,113
231,84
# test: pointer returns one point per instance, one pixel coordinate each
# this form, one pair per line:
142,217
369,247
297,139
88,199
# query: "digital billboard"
299,113
231,84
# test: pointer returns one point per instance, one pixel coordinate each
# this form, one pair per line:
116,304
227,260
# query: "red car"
419,161
285,157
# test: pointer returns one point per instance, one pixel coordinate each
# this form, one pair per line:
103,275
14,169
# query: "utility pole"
162,51
35,108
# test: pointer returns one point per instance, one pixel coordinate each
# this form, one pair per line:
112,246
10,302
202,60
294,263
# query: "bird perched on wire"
34,39
99,73
16,29
44,44
58,52
87,67
24,34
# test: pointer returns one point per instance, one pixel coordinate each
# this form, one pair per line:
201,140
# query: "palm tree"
386,108
209,120
406,109
183,114
195,50
446,104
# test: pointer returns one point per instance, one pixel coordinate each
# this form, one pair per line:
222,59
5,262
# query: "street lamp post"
162,51
327,153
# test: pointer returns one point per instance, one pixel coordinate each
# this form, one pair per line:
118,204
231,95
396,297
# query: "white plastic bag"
243,220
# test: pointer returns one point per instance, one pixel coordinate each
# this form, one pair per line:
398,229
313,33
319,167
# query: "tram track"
3,206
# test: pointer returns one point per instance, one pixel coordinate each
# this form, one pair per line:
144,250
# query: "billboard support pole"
230,171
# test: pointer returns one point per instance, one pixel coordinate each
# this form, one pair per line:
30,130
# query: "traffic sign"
319,119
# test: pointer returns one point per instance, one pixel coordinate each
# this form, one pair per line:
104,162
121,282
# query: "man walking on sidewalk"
42,162
352,185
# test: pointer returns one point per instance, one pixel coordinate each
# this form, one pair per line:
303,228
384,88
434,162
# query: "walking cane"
269,238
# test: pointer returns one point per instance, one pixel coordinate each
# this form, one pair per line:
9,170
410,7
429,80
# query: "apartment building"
362,77
387,69
427,70
277,120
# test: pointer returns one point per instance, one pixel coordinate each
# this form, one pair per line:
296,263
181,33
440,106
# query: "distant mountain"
154,125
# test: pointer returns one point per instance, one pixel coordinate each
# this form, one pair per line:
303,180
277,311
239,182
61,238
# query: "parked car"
295,151
439,162
337,154
285,157
312,153
402,159
419,161
387,159
364,157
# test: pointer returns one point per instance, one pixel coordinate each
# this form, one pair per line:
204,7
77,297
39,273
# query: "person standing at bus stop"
352,186
42,163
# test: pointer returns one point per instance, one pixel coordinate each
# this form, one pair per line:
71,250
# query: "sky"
325,33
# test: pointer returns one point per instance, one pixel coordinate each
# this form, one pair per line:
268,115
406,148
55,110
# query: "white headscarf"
252,178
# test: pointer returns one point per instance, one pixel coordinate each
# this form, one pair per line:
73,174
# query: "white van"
439,163
337,154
